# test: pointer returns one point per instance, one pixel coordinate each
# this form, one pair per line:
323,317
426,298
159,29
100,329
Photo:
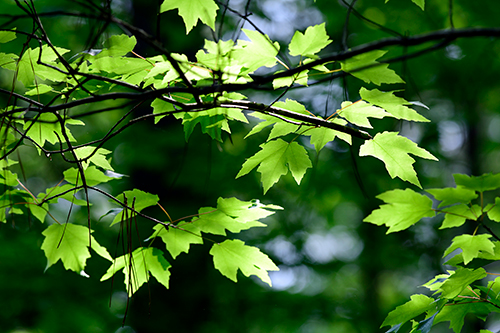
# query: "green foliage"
405,208
210,90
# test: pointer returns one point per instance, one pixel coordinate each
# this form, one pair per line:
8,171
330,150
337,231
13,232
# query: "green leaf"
320,136
213,221
393,150
358,113
366,68
417,305
193,10
178,239
274,159
7,36
259,51
420,3
98,157
453,195
457,215
486,182
459,281
403,208
280,127
45,128
39,90
457,312
245,211
231,255
494,213
136,199
138,267
93,176
116,46
391,103
309,43
69,243
287,81
472,246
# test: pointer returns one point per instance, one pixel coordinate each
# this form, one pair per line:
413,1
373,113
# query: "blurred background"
337,274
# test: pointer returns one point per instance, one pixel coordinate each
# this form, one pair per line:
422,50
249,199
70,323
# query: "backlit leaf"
69,243
275,159
471,245
231,255
403,208
453,195
394,151
358,113
193,10
313,40
138,267
366,68
396,106
179,239
417,305
486,182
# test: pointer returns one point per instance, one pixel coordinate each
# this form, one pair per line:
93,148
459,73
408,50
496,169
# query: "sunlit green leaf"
231,255
313,40
471,245
403,208
394,151
193,10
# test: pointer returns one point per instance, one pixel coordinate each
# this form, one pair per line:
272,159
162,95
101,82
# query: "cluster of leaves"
207,92
466,289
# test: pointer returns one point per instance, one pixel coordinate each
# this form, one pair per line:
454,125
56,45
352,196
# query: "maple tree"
54,97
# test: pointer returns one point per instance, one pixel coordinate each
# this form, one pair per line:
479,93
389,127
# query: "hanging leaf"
193,10
403,208
136,199
453,195
455,216
417,305
396,106
274,159
307,44
471,245
393,150
366,68
358,113
231,255
260,51
138,266
178,239
69,243
486,182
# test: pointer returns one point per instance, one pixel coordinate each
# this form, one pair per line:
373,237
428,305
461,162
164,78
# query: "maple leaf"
472,246
69,243
98,157
396,106
417,305
455,216
231,255
486,182
273,159
136,199
280,127
211,220
393,150
138,266
259,51
320,136
309,43
193,10
403,208
178,239
358,113
366,68
452,195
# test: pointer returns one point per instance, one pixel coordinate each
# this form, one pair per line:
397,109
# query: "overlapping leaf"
136,199
307,44
359,112
138,267
472,246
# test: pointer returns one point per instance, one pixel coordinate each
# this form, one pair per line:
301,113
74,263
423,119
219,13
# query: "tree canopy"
275,166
